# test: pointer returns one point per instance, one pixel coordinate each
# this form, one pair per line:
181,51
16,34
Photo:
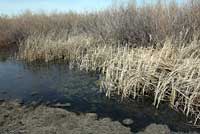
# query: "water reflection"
53,83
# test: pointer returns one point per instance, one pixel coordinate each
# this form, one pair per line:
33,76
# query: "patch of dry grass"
170,73
127,45
136,26
47,48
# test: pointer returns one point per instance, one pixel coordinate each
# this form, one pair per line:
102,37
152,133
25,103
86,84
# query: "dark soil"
18,119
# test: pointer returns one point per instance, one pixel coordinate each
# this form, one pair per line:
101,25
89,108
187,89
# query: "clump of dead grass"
137,65
47,48
169,73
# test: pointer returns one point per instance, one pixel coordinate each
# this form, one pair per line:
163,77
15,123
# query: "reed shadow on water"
52,84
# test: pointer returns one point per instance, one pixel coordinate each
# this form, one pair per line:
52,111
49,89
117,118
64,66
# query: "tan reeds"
47,48
169,74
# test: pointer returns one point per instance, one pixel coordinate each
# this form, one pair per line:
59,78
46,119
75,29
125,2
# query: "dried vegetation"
152,50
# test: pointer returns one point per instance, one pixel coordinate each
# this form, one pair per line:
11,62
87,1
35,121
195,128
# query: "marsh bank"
41,90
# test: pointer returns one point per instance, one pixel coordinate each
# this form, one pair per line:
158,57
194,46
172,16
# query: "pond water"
56,83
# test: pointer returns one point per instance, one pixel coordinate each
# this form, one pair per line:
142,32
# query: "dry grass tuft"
47,48
126,44
169,73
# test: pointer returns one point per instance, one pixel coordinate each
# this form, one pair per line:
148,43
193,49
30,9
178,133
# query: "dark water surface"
55,83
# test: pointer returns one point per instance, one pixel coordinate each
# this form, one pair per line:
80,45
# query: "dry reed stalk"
168,74
46,48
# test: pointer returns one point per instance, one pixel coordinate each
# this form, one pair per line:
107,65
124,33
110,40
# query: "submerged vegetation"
152,50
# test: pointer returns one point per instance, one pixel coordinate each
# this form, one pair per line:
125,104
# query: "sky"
18,6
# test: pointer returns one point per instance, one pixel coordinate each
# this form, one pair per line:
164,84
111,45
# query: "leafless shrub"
167,69
137,26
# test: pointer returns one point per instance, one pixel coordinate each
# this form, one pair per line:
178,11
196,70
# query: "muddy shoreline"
18,119
37,88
